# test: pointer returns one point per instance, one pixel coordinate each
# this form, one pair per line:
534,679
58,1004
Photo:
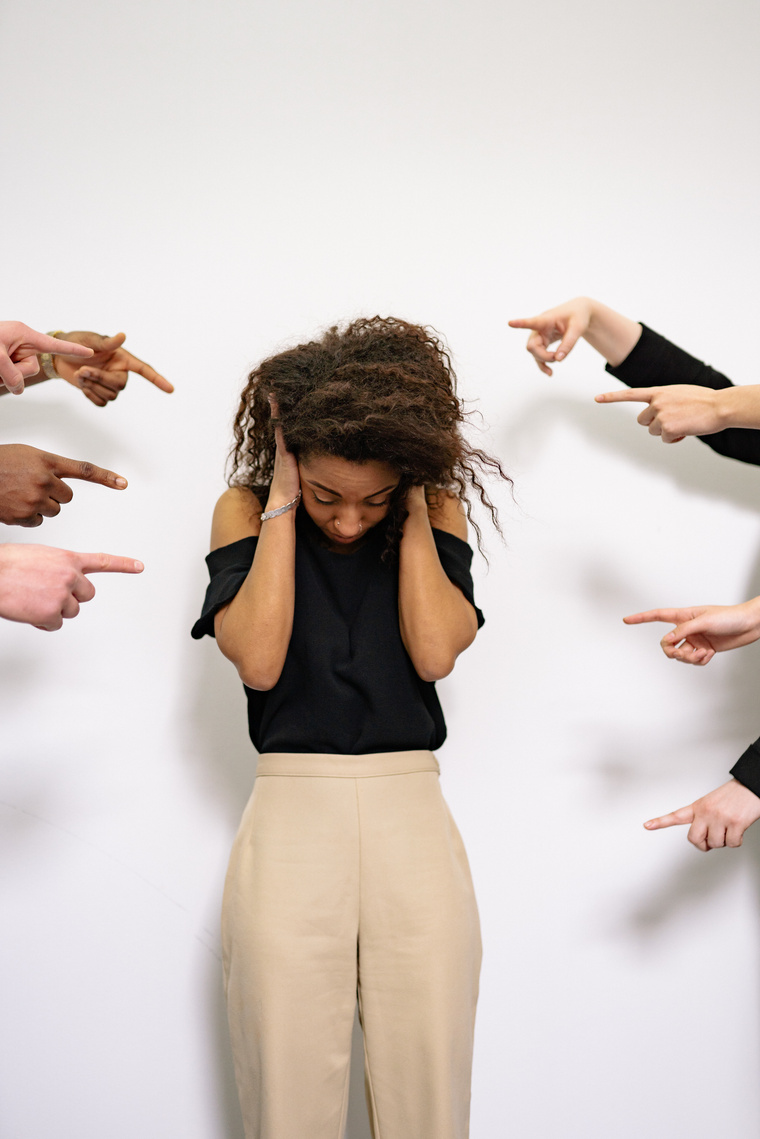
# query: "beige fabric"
348,874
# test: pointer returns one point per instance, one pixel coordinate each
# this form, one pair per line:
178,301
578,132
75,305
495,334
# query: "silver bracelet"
281,509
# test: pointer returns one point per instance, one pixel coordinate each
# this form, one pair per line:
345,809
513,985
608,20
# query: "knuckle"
86,470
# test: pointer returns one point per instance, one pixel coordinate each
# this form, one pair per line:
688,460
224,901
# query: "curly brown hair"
378,389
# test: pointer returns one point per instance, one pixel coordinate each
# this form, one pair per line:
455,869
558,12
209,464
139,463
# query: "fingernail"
559,355
120,482
649,825
139,567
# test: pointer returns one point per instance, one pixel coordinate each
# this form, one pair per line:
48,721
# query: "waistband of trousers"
319,764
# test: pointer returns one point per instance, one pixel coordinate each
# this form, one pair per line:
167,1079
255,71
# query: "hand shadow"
693,467
71,430
696,878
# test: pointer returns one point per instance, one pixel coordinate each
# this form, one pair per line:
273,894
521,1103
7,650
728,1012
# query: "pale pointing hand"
716,820
673,412
566,323
19,345
701,631
43,586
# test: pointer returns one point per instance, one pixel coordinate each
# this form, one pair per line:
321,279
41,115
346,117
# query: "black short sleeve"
456,559
747,768
228,568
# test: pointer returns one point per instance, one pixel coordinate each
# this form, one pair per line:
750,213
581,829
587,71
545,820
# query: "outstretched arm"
31,485
687,409
704,630
437,621
42,586
683,395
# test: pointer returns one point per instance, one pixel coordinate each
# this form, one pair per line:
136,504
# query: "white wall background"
216,179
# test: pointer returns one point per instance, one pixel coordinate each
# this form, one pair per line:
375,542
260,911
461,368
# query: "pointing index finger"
44,343
80,469
109,563
671,616
150,374
626,395
524,322
677,818
58,347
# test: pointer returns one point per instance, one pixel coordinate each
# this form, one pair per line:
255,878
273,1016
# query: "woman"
340,588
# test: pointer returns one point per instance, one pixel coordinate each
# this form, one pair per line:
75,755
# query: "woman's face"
345,499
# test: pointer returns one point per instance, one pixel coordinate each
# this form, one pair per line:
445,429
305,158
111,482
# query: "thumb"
9,374
697,625
568,341
111,343
678,818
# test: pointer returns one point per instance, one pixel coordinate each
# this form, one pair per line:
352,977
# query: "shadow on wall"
223,762
696,470
696,879
690,465
86,434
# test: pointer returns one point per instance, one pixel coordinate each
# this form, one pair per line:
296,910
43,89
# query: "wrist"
739,406
49,362
592,313
753,608
281,504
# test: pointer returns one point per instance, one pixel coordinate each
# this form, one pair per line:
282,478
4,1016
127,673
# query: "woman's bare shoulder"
446,512
237,515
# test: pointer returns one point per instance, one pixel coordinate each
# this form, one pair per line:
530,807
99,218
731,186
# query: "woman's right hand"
566,322
286,481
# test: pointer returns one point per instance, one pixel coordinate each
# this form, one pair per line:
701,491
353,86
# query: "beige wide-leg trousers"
347,876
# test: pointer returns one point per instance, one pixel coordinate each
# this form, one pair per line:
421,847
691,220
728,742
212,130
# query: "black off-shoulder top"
348,685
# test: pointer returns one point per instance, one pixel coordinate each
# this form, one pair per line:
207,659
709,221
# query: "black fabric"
347,685
655,362
747,768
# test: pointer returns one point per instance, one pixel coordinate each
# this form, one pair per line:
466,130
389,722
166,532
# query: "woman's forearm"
254,630
437,621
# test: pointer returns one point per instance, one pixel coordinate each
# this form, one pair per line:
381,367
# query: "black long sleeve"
654,362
